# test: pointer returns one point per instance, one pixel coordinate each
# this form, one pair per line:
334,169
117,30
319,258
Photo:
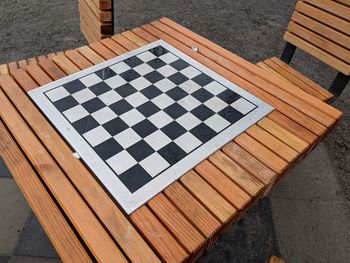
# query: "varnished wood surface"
187,216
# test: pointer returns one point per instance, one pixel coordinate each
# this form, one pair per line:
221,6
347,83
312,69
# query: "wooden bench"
81,219
322,29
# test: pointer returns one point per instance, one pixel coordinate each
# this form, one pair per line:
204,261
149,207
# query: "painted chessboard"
143,119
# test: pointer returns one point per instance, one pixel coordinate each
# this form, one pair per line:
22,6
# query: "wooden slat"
144,34
208,197
83,219
331,7
50,217
79,60
274,259
103,51
134,38
24,80
12,66
118,225
91,55
334,113
65,64
114,46
22,63
176,223
123,41
344,2
193,210
52,69
4,69
36,72
101,15
159,237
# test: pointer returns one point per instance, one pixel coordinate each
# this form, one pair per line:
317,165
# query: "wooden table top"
81,219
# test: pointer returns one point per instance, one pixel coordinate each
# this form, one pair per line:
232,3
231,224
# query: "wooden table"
80,218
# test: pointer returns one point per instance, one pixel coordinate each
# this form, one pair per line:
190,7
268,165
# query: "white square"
188,121
115,81
243,106
165,85
97,136
190,72
163,101
189,102
157,140
132,117
140,83
143,69
110,97
104,115
90,80
57,94
217,123
190,86
83,95
168,58
120,67
188,142
215,88
121,162
160,119
146,56
215,104
76,113
154,164
127,138
136,99
167,71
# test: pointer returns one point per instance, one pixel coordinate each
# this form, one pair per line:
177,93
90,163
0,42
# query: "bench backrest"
322,29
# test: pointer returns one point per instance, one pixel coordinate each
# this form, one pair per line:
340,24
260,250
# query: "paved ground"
305,218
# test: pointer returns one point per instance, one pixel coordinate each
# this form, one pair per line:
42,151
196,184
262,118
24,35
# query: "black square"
202,79
230,114
175,110
202,95
120,107
125,90
100,88
151,92
105,73
158,51
93,105
140,150
108,149
172,153
154,76
202,112
130,75
179,64
65,103
176,93
133,61
178,78
144,128
156,63
203,132
147,109
173,130
115,126
228,96
74,86
85,124
135,178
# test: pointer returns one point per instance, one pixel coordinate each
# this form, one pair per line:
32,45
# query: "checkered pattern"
146,113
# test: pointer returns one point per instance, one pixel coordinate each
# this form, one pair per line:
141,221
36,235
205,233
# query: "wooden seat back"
322,29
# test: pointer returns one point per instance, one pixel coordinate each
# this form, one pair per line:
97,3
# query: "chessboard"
143,119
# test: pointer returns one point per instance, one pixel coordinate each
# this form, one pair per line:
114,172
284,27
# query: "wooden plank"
322,29
123,41
50,217
176,223
254,69
83,219
4,69
274,259
52,69
114,46
101,15
318,53
237,174
284,135
118,225
12,66
222,184
319,41
103,4
221,209
78,59
262,153
274,144
24,80
91,55
103,51
22,63
344,2
134,38
193,210
144,34
163,242
36,72
89,33
65,64
31,61
331,7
